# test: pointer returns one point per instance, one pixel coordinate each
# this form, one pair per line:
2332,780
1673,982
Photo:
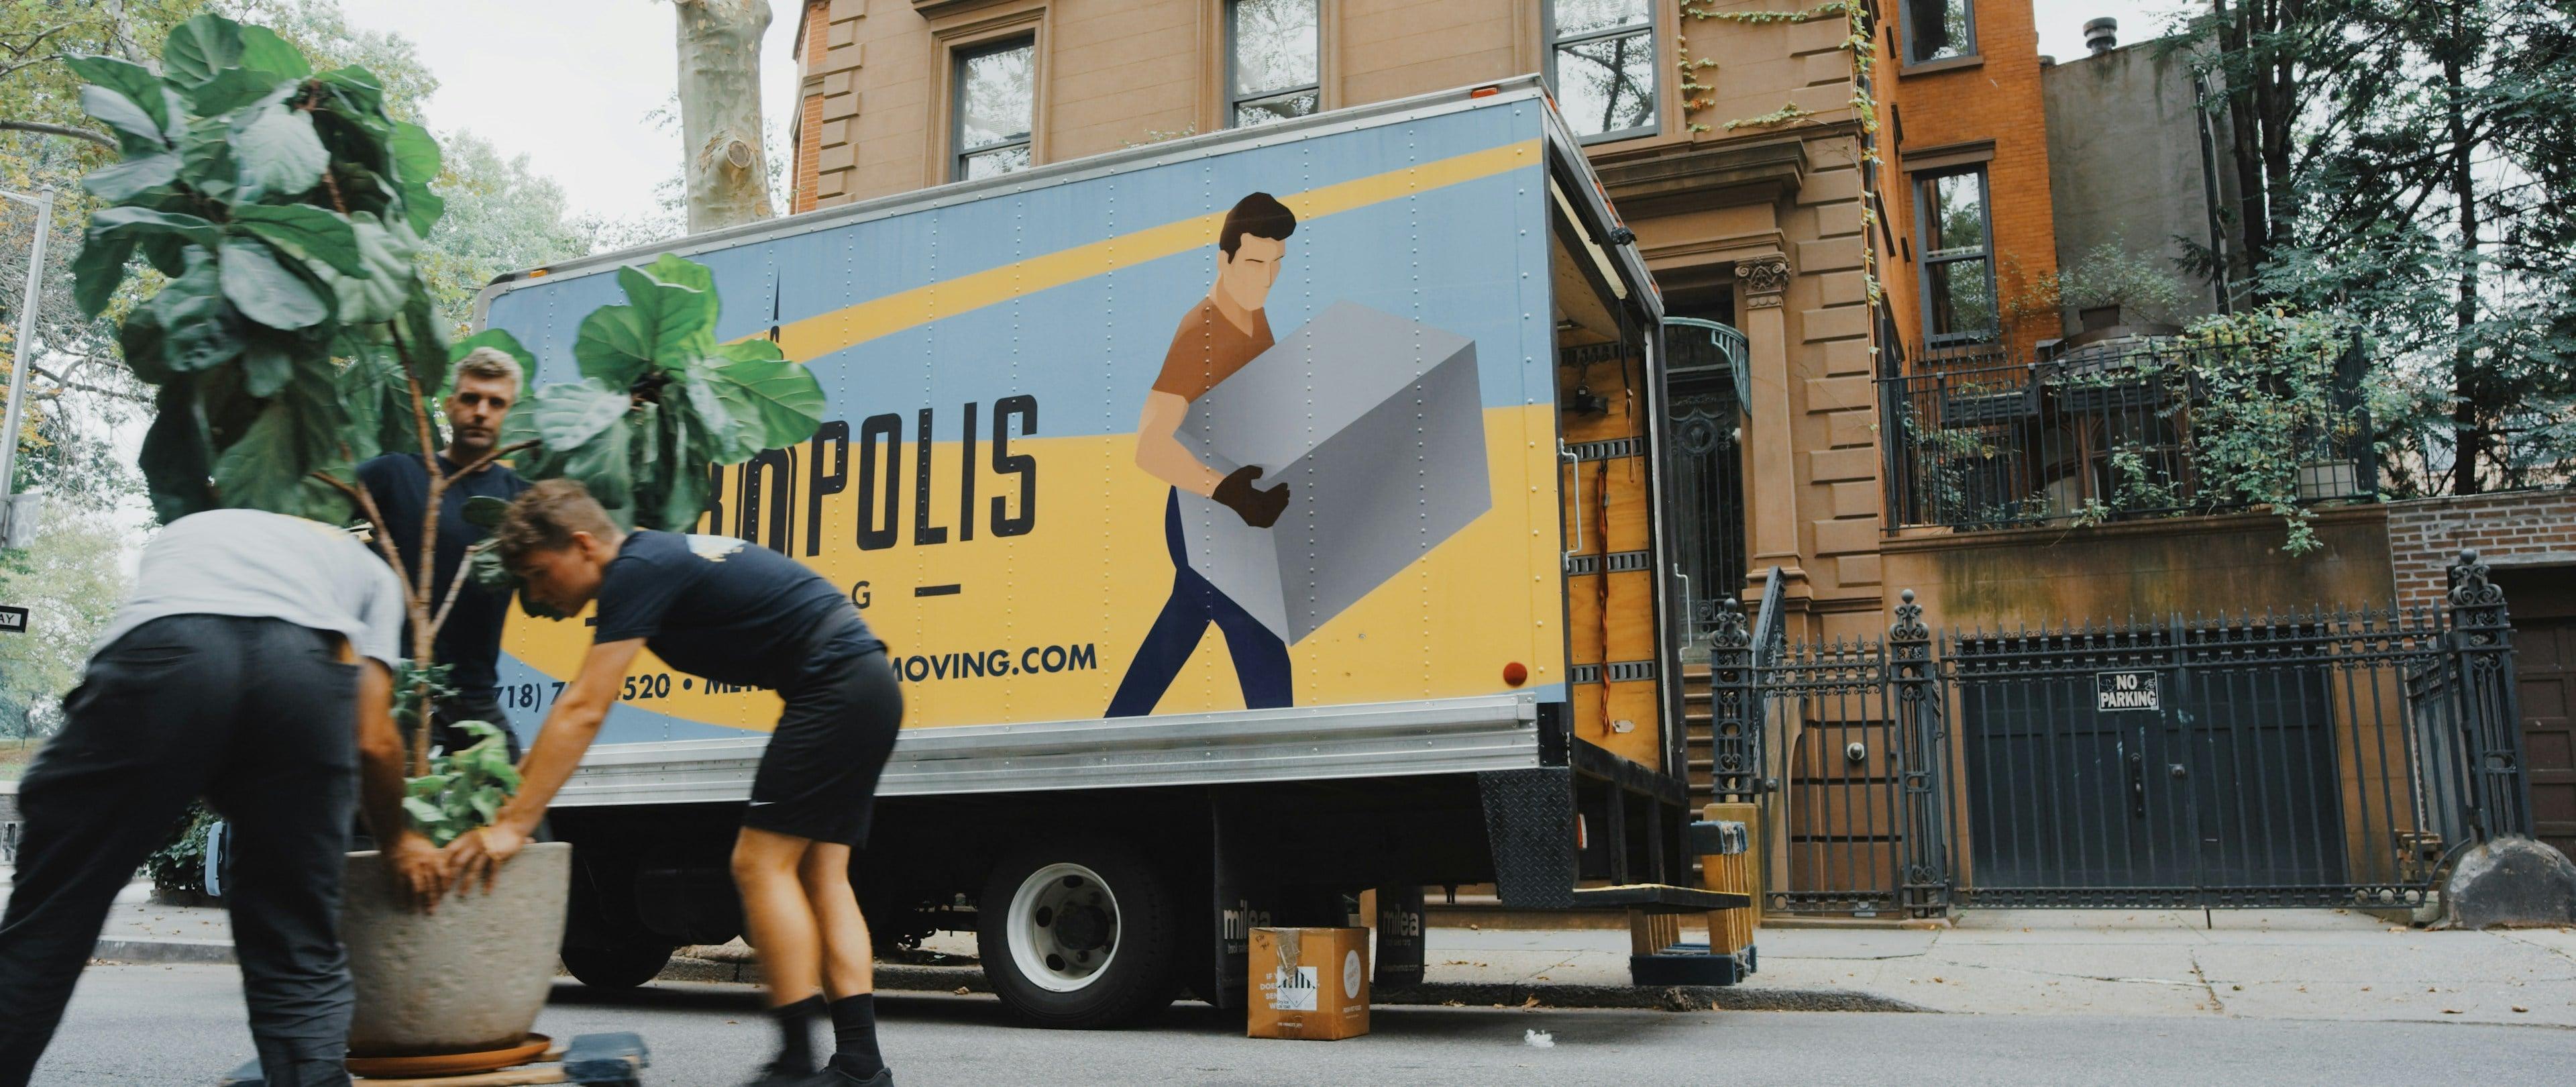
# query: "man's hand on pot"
419,871
1258,508
482,853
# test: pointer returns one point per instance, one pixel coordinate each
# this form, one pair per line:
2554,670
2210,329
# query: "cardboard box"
1377,425
1309,983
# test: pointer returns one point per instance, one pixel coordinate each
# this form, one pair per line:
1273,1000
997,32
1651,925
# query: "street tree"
725,167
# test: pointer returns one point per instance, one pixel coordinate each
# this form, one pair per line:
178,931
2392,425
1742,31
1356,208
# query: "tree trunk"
2469,438
727,171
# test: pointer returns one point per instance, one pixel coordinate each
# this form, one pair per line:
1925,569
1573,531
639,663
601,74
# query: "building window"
1601,65
1271,50
995,100
1939,30
1958,258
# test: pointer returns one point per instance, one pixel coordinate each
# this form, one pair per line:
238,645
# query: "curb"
218,952
963,980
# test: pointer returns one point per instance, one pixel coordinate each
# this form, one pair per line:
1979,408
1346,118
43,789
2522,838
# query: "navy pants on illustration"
1260,657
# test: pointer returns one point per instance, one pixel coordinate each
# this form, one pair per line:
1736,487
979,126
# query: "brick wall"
1997,99
2426,535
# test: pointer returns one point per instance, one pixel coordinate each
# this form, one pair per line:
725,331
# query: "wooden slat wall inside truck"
1610,588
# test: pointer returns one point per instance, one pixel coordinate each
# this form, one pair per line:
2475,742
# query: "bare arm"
408,856
568,730
1159,450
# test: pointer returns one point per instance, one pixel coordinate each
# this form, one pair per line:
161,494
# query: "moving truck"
1422,634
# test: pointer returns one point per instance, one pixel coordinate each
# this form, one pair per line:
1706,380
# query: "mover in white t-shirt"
252,666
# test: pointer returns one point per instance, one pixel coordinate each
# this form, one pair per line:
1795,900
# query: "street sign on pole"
13,620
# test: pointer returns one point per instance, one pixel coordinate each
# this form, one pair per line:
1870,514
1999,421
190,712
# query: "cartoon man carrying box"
1217,337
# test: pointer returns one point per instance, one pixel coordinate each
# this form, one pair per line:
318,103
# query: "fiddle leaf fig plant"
292,337
660,400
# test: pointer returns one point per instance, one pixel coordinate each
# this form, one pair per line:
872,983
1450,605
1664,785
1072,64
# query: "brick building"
1736,137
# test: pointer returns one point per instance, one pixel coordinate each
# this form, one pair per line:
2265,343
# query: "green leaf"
567,415
484,511
142,344
499,338
267,466
141,222
308,232
206,156
201,47
708,417
483,565
134,81
358,88
487,807
266,366
265,291
264,52
177,456
131,178
427,785
602,466
386,256
135,127
231,89
788,401
680,271
100,268
279,155
614,346
415,166
202,332
679,319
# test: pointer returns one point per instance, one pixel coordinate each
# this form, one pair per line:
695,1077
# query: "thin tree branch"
488,458
41,128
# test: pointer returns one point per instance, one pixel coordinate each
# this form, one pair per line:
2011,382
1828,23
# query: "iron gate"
2332,758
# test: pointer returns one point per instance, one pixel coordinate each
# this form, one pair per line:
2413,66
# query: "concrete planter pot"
471,977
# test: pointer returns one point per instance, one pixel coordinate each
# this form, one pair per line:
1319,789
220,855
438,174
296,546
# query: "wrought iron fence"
2331,758
1977,438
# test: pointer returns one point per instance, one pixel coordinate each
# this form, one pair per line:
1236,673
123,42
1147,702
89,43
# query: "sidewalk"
2255,964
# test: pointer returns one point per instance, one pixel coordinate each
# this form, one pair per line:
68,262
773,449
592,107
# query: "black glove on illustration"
1260,509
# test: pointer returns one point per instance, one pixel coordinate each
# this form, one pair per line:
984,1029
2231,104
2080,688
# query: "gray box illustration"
1377,425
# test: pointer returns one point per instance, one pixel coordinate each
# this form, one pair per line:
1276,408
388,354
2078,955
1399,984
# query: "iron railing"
1978,439
1704,403
2331,758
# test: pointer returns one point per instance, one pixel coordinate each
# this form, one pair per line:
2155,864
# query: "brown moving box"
1309,983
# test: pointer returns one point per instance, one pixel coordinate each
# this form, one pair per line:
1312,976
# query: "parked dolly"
1375,394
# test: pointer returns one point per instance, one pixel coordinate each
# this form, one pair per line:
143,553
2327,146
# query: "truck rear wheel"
621,966
1078,935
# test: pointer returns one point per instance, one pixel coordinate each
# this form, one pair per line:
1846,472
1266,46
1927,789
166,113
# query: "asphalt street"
149,1025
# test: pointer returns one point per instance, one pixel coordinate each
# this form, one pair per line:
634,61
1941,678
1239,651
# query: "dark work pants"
258,717
1260,658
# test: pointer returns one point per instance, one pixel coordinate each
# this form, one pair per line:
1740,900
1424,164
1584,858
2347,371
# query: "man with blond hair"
486,386
733,613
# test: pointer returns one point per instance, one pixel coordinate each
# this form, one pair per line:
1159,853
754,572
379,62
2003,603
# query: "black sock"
796,1034
854,1034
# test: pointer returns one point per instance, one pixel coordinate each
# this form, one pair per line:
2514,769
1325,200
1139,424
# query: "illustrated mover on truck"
1253,520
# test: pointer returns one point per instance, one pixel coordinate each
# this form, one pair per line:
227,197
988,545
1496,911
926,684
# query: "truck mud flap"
1529,823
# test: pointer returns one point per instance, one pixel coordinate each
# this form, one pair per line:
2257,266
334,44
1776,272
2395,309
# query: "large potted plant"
292,337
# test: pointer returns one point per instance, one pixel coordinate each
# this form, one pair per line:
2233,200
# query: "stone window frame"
1910,65
1651,27
965,34
1233,100
1922,181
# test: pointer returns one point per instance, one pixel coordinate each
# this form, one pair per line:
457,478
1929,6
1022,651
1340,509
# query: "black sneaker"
835,1076
782,1074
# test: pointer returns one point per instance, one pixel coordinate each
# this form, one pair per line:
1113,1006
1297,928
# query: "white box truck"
1140,723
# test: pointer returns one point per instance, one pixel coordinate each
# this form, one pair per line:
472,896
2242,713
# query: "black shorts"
818,778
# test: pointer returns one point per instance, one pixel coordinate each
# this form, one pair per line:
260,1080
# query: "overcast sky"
567,82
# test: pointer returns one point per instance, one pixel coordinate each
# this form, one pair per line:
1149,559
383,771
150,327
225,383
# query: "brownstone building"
1835,182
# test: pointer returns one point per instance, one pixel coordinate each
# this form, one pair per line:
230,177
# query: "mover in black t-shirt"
469,641
732,613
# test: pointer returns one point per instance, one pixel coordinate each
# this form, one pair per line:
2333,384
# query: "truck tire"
622,966
1079,935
